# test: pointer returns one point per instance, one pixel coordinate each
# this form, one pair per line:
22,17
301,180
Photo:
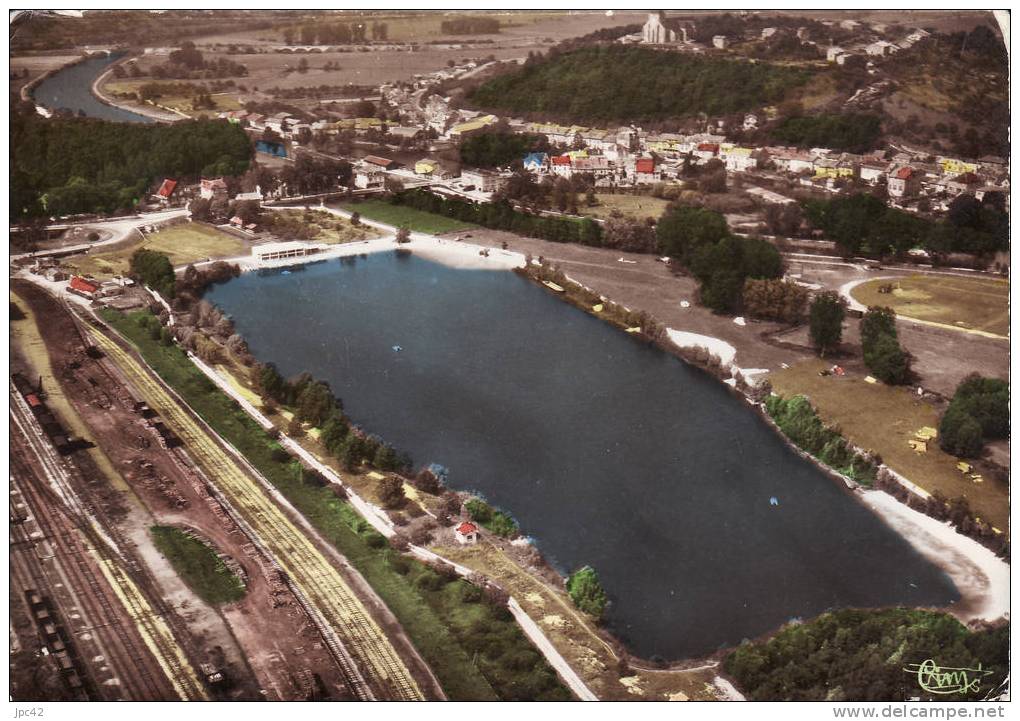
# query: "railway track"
147,617
135,670
311,575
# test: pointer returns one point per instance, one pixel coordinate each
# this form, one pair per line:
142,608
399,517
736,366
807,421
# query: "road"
118,228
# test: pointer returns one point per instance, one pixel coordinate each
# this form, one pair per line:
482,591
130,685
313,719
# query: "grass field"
397,215
198,565
223,101
467,644
967,303
883,418
183,244
637,206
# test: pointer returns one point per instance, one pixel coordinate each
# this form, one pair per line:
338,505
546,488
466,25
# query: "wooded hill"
617,84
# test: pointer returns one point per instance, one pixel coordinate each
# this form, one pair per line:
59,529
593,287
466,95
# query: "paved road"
118,228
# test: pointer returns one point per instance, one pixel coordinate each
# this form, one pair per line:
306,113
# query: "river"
606,450
71,88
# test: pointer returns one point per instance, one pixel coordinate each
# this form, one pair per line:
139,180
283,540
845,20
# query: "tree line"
862,224
470,26
70,166
616,84
500,215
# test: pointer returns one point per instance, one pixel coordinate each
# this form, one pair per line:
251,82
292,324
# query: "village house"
406,134
903,182
211,188
466,533
597,166
872,171
766,33
483,180
791,160
256,121
660,30
425,166
369,176
644,171
737,158
166,189
881,48
279,122
561,165
536,162
705,152
84,288
471,127
719,42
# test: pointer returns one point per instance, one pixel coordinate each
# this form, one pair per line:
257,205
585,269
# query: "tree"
391,492
681,231
887,360
403,234
826,321
586,591
774,299
356,219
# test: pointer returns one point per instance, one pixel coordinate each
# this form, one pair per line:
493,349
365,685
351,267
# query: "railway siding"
309,571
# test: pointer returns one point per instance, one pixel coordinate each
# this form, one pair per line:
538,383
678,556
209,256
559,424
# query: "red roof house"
645,165
166,189
383,163
709,147
561,160
466,532
904,173
82,287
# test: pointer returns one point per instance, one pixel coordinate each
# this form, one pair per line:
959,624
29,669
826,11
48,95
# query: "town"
421,355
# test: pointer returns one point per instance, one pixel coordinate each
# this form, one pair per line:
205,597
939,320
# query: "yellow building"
953,166
472,126
425,167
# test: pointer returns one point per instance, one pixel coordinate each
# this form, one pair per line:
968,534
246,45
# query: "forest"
849,132
77,165
617,84
500,215
857,655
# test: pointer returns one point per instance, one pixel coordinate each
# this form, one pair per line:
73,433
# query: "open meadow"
398,215
882,418
967,303
635,206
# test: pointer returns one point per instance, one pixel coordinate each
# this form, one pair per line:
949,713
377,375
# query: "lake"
606,450
71,88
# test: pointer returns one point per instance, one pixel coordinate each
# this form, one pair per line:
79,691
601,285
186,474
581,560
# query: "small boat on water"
553,286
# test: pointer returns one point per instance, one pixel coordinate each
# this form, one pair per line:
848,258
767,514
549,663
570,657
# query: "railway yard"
94,599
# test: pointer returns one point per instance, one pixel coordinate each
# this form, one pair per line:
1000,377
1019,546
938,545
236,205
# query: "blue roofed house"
536,162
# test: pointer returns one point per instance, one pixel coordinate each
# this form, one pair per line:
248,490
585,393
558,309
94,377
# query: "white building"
832,52
660,30
766,33
367,177
287,249
719,41
483,180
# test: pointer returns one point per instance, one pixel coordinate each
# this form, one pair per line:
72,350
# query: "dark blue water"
71,88
607,451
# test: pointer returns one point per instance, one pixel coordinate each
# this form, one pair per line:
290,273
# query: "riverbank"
162,115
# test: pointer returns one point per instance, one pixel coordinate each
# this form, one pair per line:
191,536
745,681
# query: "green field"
476,650
882,418
965,303
198,565
635,206
223,101
397,215
183,244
